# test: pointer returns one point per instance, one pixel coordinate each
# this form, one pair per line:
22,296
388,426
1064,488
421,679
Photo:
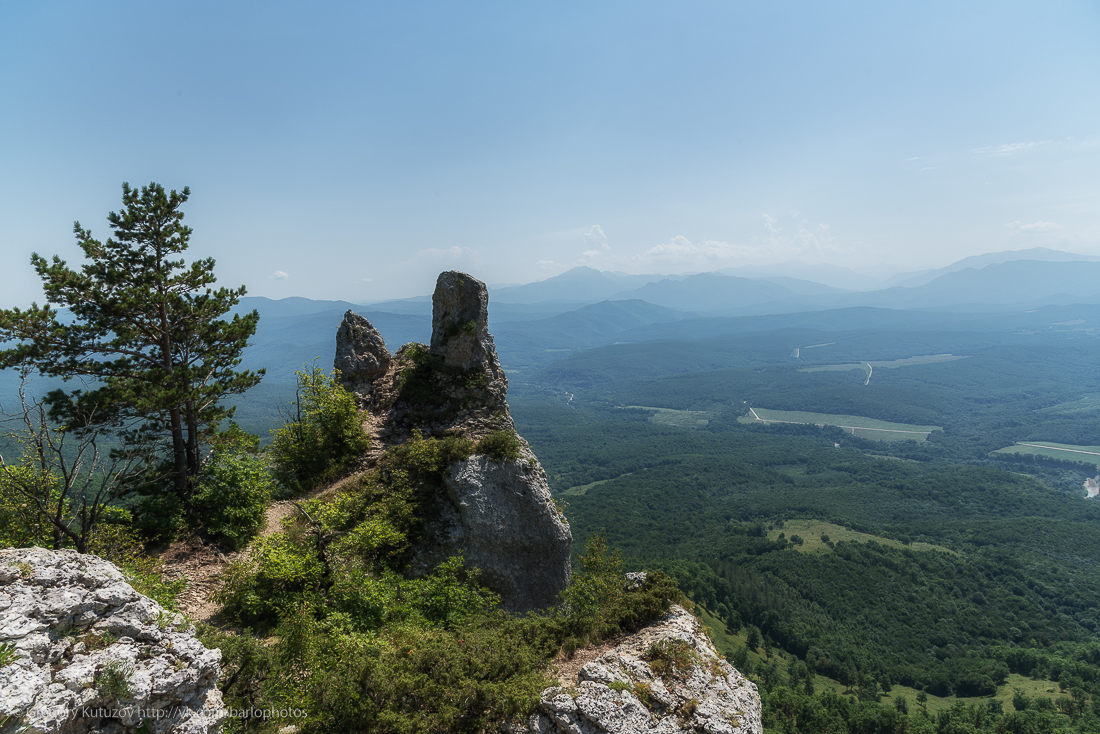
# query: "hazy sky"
354,150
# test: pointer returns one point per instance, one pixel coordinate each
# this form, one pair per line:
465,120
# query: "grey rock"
361,354
460,329
499,515
635,580
71,618
711,697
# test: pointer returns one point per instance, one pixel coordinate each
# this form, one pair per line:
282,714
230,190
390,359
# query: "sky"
354,150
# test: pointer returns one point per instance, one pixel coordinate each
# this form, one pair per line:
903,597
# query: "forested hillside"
936,571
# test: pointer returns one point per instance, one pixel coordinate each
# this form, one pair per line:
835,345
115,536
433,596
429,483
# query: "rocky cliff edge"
665,679
497,513
83,652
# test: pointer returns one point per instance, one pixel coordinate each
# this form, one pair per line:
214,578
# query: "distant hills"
579,285
539,323
977,262
536,323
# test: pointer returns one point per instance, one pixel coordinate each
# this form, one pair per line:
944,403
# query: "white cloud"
595,236
279,275
1010,148
1039,227
797,240
547,265
367,280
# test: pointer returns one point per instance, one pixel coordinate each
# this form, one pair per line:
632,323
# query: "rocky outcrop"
497,513
500,515
666,679
460,324
361,354
87,653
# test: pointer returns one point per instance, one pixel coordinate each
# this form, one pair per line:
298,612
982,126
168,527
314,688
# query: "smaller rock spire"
361,353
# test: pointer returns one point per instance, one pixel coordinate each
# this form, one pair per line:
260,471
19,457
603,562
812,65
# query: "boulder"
361,354
499,515
87,653
634,688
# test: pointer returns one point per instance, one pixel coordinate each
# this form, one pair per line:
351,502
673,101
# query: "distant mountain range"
1042,254
530,331
579,285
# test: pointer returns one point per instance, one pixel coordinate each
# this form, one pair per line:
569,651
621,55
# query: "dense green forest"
970,570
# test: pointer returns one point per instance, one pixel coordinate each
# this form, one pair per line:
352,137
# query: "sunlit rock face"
93,655
361,354
627,689
498,514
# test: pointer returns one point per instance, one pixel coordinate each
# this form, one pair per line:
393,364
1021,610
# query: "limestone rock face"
619,693
500,516
361,353
460,327
93,655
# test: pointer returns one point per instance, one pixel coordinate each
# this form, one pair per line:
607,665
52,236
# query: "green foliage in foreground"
324,436
364,648
234,490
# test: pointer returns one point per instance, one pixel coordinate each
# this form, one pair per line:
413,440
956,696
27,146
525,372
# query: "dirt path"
204,565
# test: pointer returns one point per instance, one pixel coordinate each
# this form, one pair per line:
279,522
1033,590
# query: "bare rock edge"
619,693
93,655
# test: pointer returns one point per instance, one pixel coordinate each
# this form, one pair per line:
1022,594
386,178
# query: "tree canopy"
142,328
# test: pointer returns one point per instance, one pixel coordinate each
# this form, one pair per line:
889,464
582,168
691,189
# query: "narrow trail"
204,565
870,370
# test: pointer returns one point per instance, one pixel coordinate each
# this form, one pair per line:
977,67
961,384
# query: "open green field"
1055,450
889,364
810,531
681,418
875,430
583,488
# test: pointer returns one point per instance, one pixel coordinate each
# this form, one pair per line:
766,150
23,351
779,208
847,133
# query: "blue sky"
354,150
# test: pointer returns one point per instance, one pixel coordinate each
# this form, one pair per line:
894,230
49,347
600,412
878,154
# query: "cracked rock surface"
626,690
93,655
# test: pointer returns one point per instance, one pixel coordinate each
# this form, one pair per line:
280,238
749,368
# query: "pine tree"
144,331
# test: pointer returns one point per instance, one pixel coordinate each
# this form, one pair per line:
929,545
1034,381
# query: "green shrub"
500,445
428,459
279,574
671,658
421,679
21,525
113,679
597,604
160,517
324,437
233,494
